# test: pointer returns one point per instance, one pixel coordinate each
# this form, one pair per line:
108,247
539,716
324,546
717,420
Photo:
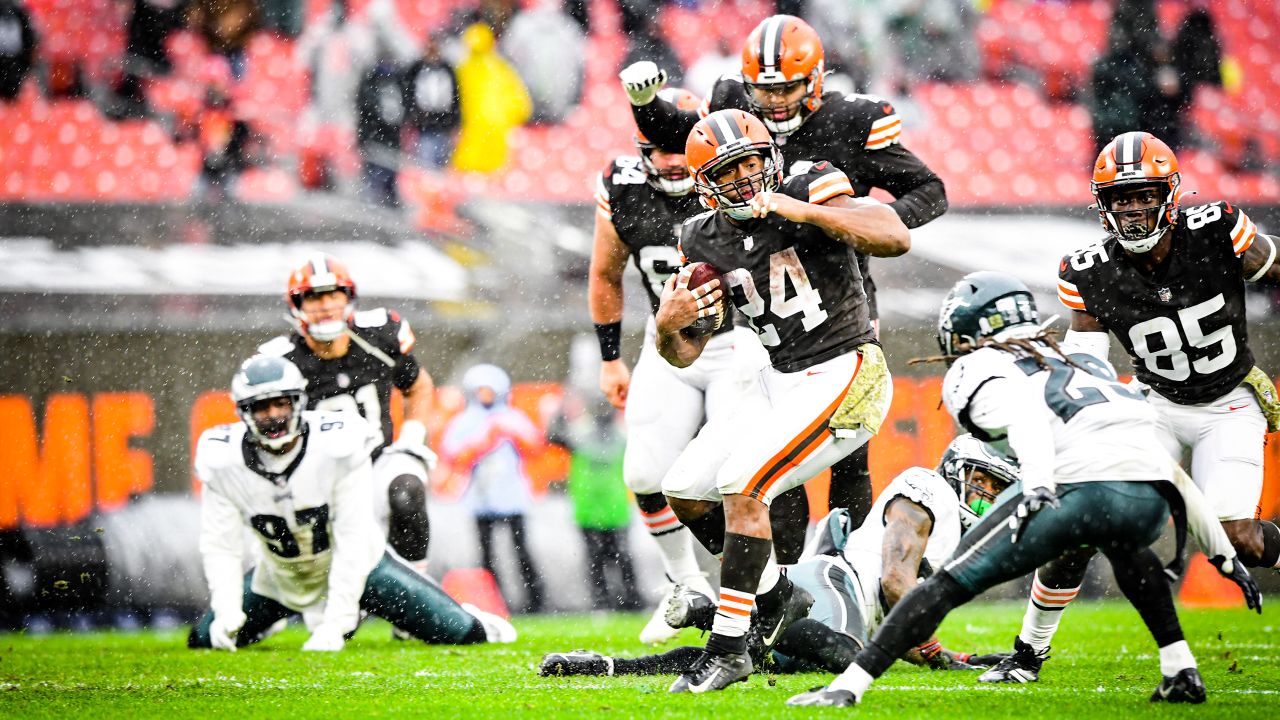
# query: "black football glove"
1031,503
1241,577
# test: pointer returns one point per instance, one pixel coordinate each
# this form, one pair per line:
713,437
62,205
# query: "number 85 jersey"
1184,325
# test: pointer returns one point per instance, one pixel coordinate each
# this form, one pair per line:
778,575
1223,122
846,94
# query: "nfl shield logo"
1165,294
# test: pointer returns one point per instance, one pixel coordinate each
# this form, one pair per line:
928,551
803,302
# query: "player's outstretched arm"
357,546
1259,262
222,554
604,299
679,308
868,226
906,534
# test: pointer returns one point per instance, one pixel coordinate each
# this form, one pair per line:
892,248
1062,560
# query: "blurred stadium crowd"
422,103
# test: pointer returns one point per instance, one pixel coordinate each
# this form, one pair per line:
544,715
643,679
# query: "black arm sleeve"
665,125
919,193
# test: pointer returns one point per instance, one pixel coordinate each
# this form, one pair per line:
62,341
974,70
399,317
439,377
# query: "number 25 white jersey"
1101,429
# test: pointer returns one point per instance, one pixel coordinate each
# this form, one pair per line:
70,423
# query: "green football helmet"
982,304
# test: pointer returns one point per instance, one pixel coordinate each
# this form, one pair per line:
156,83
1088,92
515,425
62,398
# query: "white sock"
675,545
1176,658
733,616
1044,612
769,577
854,679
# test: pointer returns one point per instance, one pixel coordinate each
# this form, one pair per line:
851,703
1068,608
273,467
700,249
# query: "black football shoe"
1185,687
824,697
687,607
767,627
1023,666
578,662
713,672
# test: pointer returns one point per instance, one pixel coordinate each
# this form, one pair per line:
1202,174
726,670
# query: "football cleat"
1185,687
657,630
496,627
824,697
766,628
1023,666
713,672
578,662
687,607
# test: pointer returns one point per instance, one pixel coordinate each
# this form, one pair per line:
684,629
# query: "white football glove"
223,629
413,440
642,81
326,638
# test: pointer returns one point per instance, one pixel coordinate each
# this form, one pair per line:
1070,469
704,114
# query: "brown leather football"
701,273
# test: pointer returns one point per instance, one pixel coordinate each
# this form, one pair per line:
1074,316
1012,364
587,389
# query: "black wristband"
610,337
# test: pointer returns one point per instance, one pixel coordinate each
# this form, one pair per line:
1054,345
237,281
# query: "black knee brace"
709,530
409,526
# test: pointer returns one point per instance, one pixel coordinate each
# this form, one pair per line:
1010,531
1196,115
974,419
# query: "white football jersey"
865,546
315,522
1097,428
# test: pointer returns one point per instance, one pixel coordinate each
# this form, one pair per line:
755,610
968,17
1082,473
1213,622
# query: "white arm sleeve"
222,550
358,545
1000,407
1201,523
1097,344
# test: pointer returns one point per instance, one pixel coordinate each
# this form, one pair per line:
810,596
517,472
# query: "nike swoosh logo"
702,687
811,372
773,635
1238,407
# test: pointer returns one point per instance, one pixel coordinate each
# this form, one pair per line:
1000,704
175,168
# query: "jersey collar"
254,462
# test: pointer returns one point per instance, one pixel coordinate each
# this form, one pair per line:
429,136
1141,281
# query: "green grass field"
1103,665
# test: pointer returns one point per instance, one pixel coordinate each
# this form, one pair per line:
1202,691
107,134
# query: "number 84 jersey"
1184,325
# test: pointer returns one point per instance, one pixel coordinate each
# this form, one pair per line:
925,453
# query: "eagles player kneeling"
298,481
1092,474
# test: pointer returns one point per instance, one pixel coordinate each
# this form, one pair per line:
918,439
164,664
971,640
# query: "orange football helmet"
721,140
1136,159
676,180
320,273
782,51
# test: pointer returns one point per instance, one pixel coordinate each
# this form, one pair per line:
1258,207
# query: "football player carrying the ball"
641,201
781,83
788,252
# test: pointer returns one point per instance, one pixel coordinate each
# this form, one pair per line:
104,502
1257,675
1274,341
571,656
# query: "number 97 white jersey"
298,519
1102,430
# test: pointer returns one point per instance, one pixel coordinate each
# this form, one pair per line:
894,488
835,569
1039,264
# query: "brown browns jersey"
800,290
361,380
1184,325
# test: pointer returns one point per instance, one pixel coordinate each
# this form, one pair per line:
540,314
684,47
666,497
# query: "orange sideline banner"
77,453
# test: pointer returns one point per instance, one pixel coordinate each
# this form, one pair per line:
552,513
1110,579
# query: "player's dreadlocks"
1020,347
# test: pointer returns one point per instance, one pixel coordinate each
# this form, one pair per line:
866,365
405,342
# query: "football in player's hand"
701,273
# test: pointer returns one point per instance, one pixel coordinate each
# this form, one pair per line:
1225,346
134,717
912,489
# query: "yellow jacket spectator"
493,101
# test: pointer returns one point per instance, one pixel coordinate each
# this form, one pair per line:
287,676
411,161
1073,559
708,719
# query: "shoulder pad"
338,435
971,372
822,181
921,486
877,115
277,346
219,448
624,170
377,317
1220,218
728,93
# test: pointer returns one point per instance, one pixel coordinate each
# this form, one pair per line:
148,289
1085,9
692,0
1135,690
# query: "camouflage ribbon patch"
1261,385
867,403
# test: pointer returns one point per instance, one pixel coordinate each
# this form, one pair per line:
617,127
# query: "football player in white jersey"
1092,474
854,576
298,481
